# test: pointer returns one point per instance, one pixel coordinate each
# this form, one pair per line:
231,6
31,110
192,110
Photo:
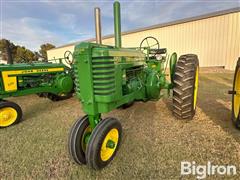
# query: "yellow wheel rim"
8,116
107,152
195,89
236,98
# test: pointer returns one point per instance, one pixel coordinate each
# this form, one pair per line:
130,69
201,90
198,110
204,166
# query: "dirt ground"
154,142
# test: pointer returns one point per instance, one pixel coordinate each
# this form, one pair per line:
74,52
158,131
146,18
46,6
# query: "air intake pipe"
117,24
98,30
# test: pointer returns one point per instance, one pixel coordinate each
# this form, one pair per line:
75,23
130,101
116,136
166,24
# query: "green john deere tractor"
46,79
236,96
107,77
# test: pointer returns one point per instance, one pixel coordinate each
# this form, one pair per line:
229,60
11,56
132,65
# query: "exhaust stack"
98,30
117,24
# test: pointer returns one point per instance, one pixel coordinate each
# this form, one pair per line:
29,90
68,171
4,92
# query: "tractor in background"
236,96
107,77
52,79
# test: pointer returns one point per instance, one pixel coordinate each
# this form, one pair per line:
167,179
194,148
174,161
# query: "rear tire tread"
183,91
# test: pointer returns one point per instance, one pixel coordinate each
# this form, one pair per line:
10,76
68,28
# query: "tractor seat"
158,51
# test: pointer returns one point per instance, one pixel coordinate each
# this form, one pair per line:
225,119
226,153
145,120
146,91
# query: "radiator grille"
103,69
76,81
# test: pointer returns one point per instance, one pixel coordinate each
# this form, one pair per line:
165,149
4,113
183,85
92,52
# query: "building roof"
181,21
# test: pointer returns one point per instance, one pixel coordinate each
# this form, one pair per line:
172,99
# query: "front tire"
185,84
77,141
236,97
104,143
10,113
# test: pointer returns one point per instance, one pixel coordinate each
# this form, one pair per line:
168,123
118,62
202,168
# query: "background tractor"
236,96
46,79
107,77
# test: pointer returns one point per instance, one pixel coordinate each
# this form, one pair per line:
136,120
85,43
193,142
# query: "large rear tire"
54,97
185,84
236,97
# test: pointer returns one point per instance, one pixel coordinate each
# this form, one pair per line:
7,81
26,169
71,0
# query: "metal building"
214,37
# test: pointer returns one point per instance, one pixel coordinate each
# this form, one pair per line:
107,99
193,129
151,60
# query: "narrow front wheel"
104,143
78,139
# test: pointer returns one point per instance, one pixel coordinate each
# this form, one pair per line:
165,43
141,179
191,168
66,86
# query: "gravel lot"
154,142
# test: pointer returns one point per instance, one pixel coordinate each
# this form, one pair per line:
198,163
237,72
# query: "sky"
31,23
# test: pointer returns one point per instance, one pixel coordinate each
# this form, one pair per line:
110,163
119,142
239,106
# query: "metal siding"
215,40
58,53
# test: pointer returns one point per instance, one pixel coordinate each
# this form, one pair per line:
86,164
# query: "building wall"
215,40
59,52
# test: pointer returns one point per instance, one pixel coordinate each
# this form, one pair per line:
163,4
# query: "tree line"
22,54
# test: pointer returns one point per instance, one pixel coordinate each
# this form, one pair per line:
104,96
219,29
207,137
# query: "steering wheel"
68,57
150,43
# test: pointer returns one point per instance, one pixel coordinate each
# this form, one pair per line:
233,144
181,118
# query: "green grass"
154,143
